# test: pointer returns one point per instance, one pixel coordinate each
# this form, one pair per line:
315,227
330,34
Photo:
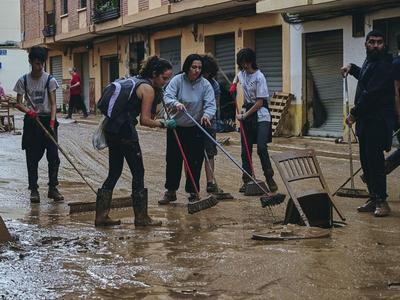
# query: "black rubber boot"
35,197
103,205
269,178
245,179
55,194
169,196
140,206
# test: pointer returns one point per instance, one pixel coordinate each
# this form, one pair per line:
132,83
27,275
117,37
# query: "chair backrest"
299,165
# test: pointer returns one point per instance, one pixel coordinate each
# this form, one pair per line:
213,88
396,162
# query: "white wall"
10,26
353,48
14,65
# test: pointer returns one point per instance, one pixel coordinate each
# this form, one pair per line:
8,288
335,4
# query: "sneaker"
35,197
212,187
55,194
382,209
169,196
193,197
368,206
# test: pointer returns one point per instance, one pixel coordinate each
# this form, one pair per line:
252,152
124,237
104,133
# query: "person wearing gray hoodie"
191,92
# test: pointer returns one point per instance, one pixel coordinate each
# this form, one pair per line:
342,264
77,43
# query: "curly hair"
246,55
210,65
153,66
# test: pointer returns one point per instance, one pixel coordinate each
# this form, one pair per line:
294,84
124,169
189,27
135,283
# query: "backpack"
116,95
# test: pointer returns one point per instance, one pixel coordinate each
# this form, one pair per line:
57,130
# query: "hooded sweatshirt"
197,96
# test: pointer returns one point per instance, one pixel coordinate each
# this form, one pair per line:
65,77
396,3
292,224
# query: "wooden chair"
278,108
312,207
6,115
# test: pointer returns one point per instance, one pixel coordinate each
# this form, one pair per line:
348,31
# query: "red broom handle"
246,145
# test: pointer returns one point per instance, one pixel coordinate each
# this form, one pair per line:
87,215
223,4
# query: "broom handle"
187,167
225,152
346,88
64,153
242,133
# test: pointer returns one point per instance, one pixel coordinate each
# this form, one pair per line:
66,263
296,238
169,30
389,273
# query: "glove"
169,124
233,89
52,124
241,117
31,114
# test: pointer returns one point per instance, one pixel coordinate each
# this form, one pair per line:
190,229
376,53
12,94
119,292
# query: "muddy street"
209,254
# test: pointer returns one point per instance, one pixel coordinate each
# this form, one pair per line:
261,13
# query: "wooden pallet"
278,107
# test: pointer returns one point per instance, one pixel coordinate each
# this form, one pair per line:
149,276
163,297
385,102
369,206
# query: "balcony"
105,10
49,30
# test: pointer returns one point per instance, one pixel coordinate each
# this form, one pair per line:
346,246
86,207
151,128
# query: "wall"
354,52
14,65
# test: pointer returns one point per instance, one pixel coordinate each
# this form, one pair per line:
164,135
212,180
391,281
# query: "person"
38,88
75,98
374,115
255,116
188,91
123,141
2,93
210,70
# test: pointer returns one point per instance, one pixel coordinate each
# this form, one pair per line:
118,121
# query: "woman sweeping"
255,116
123,141
190,91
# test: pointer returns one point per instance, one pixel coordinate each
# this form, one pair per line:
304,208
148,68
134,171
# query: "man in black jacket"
374,115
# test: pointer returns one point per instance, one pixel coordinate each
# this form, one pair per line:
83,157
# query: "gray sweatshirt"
198,98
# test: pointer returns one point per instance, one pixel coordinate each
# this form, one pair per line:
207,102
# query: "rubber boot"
103,204
270,181
139,204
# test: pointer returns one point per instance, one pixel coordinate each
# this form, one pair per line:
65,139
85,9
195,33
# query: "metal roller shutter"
56,71
170,49
268,47
324,60
225,55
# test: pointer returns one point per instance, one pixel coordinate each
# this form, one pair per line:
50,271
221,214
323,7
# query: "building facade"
13,59
300,44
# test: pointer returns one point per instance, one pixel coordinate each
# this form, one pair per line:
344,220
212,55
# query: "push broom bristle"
202,204
272,200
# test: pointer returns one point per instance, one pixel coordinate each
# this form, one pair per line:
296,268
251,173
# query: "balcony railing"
49,30
105,10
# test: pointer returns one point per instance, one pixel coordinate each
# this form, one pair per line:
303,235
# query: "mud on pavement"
209,254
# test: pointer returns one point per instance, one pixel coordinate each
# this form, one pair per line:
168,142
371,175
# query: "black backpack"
116,95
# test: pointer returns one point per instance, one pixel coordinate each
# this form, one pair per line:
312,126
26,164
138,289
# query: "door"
56,71
170,49
268,47
324,58
109,69
85,78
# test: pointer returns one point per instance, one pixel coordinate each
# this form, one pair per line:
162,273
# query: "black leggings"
192,140
119,149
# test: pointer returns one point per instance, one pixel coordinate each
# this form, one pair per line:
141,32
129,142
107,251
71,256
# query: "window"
82,3
64,7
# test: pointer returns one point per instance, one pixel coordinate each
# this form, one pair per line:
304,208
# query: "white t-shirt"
255,87
37,92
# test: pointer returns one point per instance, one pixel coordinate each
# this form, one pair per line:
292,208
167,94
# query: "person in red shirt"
75,98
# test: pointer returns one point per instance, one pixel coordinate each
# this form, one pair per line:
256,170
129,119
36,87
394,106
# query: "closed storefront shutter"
225,54
324,60
56,71
170,49
269,56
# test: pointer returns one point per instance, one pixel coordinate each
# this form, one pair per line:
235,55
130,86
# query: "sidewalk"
325,147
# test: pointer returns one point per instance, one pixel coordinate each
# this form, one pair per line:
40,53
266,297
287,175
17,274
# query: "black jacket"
374,100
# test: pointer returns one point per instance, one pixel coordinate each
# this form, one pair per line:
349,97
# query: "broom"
220,195
266,200
198,204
